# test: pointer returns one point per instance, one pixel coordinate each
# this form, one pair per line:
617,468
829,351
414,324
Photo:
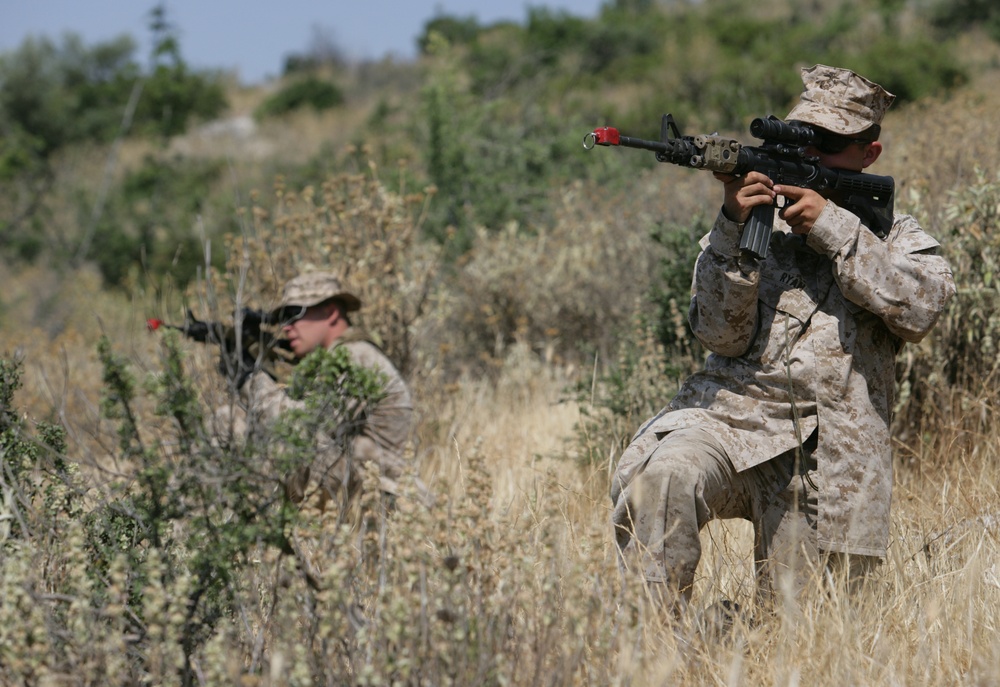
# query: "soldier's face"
850,154
310,331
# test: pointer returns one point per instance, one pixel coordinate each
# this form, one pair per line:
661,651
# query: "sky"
253,37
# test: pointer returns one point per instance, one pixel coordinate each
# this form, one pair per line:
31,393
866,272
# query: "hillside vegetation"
533,293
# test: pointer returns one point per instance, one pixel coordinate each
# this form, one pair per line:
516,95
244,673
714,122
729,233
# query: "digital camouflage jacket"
386,429
804,342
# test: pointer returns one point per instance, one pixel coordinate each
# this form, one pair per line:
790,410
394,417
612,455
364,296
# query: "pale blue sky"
252,37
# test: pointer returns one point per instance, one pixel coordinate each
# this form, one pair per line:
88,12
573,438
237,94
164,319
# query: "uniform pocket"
784,311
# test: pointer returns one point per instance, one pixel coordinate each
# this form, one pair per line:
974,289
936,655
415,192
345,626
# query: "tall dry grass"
511,577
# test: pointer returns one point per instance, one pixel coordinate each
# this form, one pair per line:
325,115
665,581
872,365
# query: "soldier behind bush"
314,312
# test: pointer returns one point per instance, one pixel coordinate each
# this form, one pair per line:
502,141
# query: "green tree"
173,95
955,16
453,30
148,220
55,96
308,91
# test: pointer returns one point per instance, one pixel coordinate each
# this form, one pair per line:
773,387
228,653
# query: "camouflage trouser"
336,475
689,480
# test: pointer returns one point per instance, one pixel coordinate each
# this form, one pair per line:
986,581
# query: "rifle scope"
773,129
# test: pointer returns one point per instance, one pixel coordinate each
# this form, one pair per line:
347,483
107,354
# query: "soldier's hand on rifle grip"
744,193
236,365
802,208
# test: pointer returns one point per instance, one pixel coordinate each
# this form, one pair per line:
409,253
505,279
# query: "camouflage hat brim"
840,101
314,288
832,119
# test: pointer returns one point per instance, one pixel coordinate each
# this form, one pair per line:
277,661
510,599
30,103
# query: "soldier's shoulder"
367,354
908,235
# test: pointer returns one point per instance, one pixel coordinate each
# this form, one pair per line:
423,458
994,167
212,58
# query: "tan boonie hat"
313,288
840,101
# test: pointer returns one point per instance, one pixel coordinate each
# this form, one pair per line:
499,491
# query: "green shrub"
911,69
958,15
181,519
55,97
36,481
311,91
948,381
553,33
672,293
453,30
172,94
147,231
70,93
622,45
493,161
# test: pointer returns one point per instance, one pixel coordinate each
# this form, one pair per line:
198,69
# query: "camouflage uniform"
383,436
386,429
788,424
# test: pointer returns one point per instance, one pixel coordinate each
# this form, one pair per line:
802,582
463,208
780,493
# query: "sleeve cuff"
834,228
725,236
257,385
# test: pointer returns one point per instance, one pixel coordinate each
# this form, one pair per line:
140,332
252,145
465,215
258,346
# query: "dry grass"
548,523
537,540
511,577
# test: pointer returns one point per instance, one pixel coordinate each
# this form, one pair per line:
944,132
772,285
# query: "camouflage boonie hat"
840,101
313,288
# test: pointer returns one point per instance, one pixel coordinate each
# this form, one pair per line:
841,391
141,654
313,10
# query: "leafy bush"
623,45
453,30
69,93
672,293
56,97
34,473
173,97
552,33
186,518
912,69
492,162
948,380
957,15
310,91
352,225
731,62
147,230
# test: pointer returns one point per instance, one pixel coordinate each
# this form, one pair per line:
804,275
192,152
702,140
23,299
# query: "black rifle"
782,157
245,343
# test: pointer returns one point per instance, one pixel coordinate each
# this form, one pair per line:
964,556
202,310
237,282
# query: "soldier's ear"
333,308
872,152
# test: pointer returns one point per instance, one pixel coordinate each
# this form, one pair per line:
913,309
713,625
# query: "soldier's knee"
669,473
